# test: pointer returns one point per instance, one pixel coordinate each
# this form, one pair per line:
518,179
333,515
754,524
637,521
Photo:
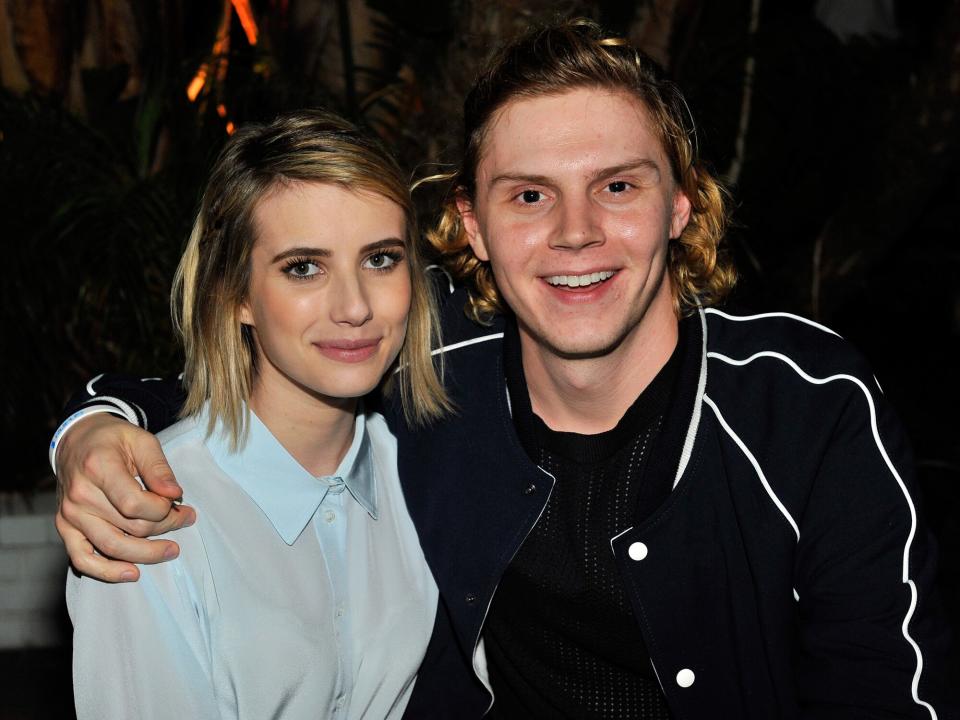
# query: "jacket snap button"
637,551
530,489
685,678
470,598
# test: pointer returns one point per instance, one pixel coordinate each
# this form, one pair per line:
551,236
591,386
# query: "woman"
302,590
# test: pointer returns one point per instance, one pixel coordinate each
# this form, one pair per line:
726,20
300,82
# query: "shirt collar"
286,493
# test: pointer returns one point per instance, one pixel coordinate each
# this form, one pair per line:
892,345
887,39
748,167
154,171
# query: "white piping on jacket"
745,318
141,414
440,268
618,535
905,578
129,413
697,404
465,343
90,390
479,659
691,437
756,466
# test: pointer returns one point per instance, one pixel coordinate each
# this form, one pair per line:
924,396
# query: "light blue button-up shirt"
293,596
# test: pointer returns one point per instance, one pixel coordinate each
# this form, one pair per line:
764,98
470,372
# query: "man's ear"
472,227
681,214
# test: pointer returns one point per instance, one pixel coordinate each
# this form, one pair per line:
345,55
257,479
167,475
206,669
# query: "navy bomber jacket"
787,575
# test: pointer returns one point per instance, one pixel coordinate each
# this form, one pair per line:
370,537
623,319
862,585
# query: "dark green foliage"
90,244
852,143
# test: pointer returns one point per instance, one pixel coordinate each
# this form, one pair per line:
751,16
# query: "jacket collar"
286,493
680,424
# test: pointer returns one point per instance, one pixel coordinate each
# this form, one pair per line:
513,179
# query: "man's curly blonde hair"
559,58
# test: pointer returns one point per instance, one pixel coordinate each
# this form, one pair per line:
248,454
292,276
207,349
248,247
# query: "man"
642,508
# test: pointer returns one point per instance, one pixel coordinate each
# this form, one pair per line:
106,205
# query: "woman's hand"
104,513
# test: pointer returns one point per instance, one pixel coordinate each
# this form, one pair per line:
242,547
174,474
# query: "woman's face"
329,290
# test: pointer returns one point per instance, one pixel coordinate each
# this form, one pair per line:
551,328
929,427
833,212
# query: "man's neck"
590,395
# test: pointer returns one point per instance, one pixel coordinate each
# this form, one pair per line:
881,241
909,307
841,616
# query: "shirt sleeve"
139,649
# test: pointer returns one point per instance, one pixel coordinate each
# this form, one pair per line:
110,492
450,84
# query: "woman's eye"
381,261
302,269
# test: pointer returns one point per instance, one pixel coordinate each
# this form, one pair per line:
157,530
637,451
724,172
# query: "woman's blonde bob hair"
559,58
212,279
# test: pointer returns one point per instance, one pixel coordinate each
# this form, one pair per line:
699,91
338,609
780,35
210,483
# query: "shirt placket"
330,525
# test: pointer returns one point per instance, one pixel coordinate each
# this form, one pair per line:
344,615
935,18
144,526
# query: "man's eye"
531,196
618,186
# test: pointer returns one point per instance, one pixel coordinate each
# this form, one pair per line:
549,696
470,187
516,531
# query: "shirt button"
685,678
339,612
530,489
637,551
329,516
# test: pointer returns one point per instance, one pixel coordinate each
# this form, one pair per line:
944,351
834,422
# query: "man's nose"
349,303
579,225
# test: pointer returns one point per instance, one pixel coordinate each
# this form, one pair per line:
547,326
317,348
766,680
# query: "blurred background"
835,123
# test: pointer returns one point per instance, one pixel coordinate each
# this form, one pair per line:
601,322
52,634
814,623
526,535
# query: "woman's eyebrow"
324,252
297,251
386,242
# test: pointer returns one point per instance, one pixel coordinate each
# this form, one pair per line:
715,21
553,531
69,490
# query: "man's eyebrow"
304,251
629,165
519,178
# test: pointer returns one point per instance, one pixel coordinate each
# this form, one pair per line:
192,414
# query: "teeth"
579,280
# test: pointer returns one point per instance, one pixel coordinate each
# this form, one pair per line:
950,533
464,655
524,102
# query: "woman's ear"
246,315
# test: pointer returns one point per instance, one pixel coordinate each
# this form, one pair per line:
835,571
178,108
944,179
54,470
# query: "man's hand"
104,508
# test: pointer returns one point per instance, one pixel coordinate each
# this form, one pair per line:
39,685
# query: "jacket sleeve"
153,402
138,648
873,639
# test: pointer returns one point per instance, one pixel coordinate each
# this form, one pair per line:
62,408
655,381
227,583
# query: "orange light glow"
245,13
221,51
196,85
230,127
221,46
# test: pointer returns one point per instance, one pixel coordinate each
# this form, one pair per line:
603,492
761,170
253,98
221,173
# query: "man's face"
575,204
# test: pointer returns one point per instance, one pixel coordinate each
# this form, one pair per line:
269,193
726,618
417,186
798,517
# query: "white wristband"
77,417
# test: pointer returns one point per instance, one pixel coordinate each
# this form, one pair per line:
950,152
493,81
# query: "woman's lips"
349,351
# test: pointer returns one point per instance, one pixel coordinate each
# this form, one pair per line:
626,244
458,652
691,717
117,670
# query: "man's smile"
582,280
